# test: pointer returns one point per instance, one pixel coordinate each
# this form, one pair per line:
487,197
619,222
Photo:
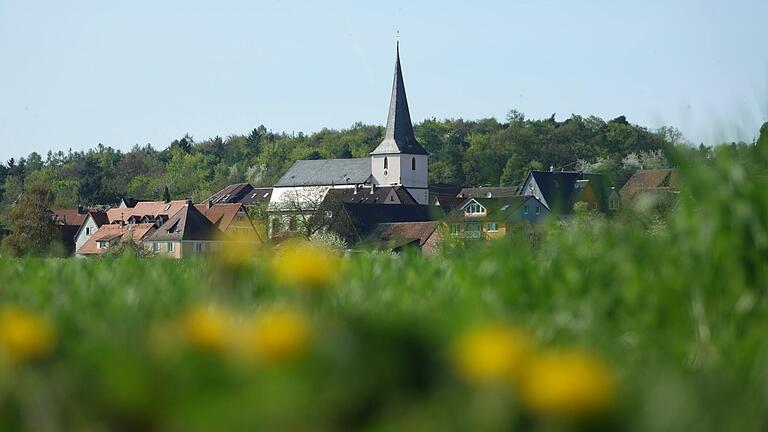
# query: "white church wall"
390,175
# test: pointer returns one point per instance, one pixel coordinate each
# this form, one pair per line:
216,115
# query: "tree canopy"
462,152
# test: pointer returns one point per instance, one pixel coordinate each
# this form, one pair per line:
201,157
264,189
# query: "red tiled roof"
151,208
112,231
220,215
70,217
649,179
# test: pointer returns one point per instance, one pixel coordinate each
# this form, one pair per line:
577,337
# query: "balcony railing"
471,234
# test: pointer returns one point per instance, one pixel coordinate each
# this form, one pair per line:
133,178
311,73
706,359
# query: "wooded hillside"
465,152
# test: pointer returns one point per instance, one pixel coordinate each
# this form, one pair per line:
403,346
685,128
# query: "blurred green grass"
678,311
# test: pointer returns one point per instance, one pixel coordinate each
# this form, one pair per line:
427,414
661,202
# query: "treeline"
463,152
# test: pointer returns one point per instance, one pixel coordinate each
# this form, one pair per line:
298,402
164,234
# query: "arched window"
413,164
386,163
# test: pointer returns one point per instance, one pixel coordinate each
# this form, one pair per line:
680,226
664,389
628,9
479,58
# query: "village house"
657,181
93,221
559,191
491,218
399,236
231,218
69,223
354,222
399,160
108,236
186,233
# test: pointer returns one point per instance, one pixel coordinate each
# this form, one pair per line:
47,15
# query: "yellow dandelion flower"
569,383
492,352
207,327
25,336
276,335
303,264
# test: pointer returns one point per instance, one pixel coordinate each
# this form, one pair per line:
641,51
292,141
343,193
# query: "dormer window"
474,208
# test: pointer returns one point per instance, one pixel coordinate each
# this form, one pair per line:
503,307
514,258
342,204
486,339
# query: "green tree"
33,232
513,172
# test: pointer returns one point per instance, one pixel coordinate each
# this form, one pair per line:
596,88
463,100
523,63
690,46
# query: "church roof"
326,172
399,136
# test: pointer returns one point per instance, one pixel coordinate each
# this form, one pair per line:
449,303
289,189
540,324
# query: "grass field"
595,326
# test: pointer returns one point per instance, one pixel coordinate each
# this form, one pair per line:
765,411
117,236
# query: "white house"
93,221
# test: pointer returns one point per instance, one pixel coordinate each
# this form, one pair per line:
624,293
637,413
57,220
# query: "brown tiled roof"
112,231
649,180
70,217
392,235
188,224
220,215
146,208
99,217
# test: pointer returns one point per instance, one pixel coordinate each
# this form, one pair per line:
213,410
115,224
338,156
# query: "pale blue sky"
76,73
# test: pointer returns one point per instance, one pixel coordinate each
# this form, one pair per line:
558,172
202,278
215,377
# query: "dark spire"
399,136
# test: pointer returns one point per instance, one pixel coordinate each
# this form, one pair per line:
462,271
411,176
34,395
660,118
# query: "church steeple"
399,137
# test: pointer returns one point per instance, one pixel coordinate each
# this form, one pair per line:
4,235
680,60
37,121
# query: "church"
399,161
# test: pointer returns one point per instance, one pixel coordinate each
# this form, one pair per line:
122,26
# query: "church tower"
400,159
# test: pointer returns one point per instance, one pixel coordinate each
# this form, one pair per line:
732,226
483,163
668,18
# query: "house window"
538,210
492,227
525,209
169,247
155,247
456,229
613,204
102,244
413,164
87,231
386,163
198,247
474,227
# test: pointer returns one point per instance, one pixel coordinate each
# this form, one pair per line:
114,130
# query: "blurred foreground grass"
597,326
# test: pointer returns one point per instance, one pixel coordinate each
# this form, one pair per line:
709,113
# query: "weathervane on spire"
397,38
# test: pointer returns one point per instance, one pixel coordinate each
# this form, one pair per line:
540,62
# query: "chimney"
355,192
80,209
189,202
373,188
551,168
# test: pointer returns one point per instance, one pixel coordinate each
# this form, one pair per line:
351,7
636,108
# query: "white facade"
87,229
400,169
